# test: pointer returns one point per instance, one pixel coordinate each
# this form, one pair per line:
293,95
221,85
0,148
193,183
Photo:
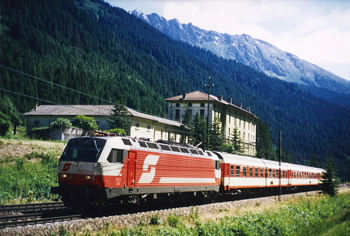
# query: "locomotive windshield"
83,149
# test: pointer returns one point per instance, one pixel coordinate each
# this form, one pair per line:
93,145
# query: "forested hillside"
54,52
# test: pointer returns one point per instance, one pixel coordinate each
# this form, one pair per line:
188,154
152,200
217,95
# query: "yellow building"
231,116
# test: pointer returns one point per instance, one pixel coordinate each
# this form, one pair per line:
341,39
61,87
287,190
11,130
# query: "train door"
289,176
131,168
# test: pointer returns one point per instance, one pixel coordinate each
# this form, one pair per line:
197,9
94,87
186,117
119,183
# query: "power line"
52,83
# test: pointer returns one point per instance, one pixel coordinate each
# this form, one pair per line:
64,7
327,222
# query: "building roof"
91,110
200,96
194,96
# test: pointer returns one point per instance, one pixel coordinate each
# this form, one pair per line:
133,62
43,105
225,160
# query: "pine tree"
216,134
328,178
186,126
264,145
236,140
120,117
313,161
199,130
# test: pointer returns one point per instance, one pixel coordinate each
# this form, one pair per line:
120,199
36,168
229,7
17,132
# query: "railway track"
36,207
38,213
31,214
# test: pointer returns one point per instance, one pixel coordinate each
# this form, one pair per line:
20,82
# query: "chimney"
36,106
220,97
183,95
229,100
248,109
239,105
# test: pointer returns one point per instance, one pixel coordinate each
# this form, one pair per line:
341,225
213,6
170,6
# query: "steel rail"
35,207
31,219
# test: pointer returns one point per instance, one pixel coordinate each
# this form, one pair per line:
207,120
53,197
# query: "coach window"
250,171
270,173
256,172
115,156
261,172
238,171
244,171
231,170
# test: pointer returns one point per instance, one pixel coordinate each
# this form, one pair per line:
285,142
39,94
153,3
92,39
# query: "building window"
36,122
202,112
137,125
190,104
177,104
202,105
177,114
148,127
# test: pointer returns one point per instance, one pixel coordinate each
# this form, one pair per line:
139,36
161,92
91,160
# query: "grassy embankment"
27,170
312,215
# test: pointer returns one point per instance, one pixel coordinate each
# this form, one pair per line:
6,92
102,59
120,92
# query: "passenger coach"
242,174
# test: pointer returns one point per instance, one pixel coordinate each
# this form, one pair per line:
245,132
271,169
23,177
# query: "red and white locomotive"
121,170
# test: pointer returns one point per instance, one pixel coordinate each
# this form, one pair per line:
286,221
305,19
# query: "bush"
61,123
173,220
117,131
40,128
4,127
155,220
85,123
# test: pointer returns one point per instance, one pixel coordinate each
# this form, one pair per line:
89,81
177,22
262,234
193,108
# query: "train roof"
162,146
257,162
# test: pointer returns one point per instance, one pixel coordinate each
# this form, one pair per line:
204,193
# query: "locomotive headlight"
89,177
65,176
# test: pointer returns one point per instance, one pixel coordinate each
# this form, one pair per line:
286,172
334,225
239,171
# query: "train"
102,171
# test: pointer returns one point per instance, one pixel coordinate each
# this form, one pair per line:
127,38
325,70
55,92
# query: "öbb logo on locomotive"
66,167
147,177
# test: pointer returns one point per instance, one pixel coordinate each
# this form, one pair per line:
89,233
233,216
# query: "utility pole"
209,85
279,159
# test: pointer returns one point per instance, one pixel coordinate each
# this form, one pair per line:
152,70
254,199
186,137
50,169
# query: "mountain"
252,52
88,52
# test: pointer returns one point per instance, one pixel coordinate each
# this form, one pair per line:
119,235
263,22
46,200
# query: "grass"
27,169
338,224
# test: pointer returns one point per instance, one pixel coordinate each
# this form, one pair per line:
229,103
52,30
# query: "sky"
317,31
